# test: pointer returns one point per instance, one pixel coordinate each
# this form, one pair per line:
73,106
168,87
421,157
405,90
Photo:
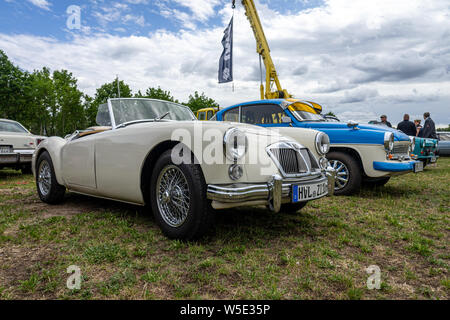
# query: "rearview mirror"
286,120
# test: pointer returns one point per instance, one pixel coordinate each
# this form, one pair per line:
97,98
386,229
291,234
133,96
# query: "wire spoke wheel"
173,196
44,178
342,174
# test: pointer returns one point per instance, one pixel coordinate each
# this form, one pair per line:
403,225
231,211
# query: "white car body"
17,144
116,162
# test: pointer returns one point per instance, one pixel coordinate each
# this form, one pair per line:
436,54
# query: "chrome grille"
401,150
291,161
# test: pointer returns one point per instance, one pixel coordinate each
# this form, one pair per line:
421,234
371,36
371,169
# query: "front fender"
53,146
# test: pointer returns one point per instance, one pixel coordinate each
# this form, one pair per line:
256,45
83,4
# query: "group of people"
428,130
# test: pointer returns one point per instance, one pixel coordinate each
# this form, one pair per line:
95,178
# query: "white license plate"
418,166
6,149
307,192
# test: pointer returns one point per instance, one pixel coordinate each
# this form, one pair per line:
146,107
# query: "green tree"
106,91
198,101
157,93
331,114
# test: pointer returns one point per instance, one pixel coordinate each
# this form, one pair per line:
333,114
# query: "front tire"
48,188
348,173
178,199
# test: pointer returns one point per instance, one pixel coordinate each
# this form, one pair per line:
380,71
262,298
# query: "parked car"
425,150
359,153
17,145
206,113
444,143
141,154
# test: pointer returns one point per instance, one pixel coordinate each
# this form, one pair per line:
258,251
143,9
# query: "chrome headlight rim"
322,143
232,153
389,141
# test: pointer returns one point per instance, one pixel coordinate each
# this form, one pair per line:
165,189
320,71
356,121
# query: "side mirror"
286,119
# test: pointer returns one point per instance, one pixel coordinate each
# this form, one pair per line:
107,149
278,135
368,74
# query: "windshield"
129,110
304,112
7,126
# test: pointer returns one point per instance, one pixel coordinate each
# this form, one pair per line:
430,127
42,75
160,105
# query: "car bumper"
274,193
394,166
18,157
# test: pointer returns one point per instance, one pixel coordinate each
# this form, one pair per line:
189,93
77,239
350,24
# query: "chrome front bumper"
17,157
274,193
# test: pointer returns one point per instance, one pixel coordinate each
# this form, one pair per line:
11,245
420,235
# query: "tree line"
50,103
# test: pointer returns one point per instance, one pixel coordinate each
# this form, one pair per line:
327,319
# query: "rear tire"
292,208
48,188
348,173
178,199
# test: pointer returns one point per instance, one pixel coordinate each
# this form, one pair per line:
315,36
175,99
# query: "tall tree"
198,101
106,91
157,93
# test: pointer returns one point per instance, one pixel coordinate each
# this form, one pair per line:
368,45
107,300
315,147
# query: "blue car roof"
271,101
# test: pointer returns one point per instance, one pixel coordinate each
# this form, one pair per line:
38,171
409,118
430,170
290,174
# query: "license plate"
6,149
307,192
418,166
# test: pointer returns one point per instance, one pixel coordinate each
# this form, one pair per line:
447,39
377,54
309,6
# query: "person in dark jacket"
418,125
407,126
385,122
429,128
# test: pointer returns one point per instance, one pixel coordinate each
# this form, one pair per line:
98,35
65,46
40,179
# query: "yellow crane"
273,88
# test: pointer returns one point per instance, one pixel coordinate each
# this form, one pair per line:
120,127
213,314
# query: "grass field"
321,252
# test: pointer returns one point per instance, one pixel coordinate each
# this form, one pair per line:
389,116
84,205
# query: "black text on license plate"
5,149
308,192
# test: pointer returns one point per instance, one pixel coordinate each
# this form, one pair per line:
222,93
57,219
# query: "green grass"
321,252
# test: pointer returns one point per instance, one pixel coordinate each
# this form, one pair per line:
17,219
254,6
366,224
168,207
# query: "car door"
78,162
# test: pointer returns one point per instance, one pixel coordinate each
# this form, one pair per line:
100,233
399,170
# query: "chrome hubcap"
342,174
44,178
173,196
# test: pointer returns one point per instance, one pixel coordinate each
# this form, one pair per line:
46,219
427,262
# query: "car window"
214,118
202,116
262,114
232,115
210,115
7,126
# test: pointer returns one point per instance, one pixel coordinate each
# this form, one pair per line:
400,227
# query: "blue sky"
358,58
125,18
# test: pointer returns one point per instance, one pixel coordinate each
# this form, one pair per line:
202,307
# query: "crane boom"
262,48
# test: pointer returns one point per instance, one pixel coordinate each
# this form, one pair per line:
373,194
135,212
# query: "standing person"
407,126
429,128
384,121
418,127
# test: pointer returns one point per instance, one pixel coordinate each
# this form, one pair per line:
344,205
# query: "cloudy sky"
358,58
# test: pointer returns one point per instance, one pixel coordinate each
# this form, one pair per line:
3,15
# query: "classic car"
360,154
444,143
155,153
425,150
17,145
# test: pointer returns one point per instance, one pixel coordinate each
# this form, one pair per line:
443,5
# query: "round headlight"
389,141
235,144
322,143
424,143
324,163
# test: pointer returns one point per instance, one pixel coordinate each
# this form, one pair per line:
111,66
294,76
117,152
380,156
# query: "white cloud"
359,57
43,4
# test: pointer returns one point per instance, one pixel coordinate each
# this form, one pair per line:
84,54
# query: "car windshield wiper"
126,124
163,116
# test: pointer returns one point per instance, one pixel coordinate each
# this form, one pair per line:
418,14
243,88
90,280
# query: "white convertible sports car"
155,152
17,145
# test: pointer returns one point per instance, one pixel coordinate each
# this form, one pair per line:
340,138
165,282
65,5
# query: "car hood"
340,132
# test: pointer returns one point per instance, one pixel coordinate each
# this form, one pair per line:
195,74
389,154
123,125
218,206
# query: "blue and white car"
360,154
